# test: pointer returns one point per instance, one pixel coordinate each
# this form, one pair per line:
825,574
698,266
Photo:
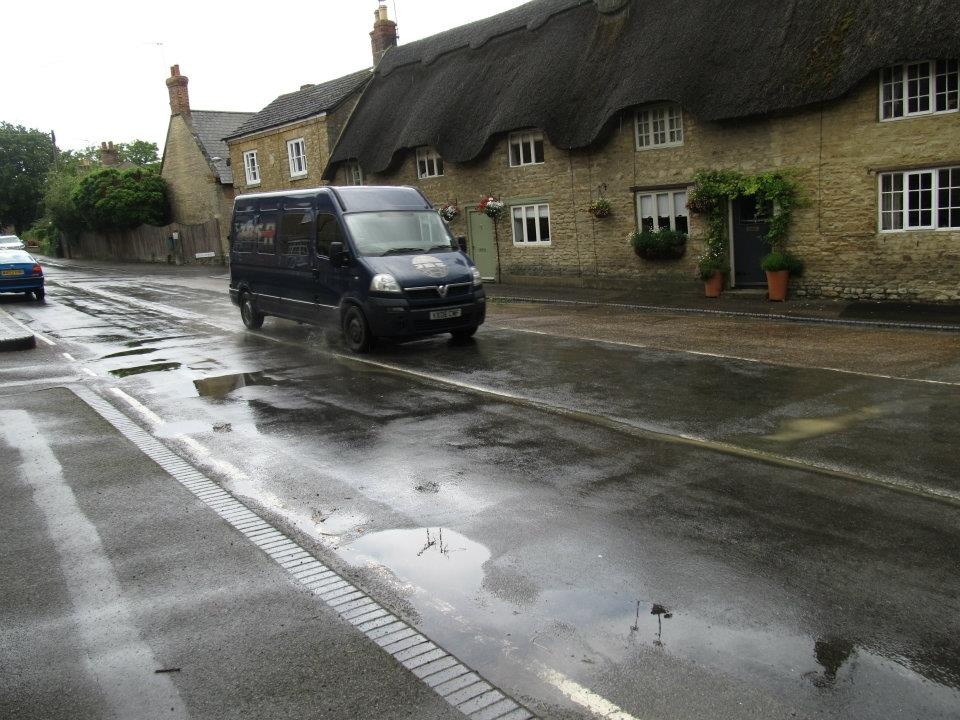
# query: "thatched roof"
306,102
566,67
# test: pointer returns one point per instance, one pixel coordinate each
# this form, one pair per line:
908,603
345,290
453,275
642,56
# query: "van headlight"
477,280
384,283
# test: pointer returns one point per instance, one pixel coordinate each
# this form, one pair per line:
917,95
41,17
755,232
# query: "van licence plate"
12,272
445,314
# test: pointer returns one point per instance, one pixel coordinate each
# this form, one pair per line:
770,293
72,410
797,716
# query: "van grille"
432,292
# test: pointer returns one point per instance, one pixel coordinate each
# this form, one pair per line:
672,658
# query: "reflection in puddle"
435,560
797,429
219,387
141,369
831,654
141,351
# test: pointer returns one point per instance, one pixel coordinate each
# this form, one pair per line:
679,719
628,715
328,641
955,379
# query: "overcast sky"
94,71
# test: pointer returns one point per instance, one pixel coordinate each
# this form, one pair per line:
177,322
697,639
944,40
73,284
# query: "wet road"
599,528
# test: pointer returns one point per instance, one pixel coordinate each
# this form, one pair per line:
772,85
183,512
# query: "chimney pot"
384,35
179,95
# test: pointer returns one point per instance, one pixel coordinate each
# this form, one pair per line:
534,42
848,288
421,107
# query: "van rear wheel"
251,317
356,330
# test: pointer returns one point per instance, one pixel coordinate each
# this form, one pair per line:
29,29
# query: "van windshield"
399,233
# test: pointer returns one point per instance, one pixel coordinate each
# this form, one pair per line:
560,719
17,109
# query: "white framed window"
659,126
663,210
526,148
920,200
429,163
927,87
251,167
531,224
297,154
353,172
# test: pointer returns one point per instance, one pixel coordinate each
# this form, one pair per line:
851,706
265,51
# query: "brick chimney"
109,155
179,97
384,35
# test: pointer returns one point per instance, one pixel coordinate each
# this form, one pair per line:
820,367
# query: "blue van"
378,261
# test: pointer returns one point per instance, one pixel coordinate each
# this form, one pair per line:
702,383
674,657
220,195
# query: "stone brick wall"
836,149
319,135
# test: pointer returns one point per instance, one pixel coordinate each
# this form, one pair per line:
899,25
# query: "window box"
659,126
928,87
920,200
526,149
531,224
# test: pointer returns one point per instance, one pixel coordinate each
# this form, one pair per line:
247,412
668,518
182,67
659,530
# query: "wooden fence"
194,244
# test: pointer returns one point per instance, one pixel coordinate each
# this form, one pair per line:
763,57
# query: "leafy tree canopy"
139,152
25,157
111,199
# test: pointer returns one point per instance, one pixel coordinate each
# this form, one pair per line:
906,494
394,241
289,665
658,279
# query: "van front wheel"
251,317
356,331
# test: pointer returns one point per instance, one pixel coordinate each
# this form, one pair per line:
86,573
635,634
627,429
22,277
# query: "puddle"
219,387
142,351
144,341
434,559
141,369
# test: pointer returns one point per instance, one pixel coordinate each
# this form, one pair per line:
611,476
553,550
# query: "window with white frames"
251,167
353,172
429,163
531,224
920,200
663,210
297,154
526,149
659,126
921,88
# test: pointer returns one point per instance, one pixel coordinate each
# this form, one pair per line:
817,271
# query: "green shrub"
110,199
780,260
663,244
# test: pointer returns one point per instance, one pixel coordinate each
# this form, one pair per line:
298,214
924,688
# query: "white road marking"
142,409
584,697
721,356
45,339
89,372
116,657
69,357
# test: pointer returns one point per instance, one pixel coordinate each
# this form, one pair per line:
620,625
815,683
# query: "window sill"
533,244
533,164
663,146
299,177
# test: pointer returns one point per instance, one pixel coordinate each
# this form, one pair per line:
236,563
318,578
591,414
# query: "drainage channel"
459,685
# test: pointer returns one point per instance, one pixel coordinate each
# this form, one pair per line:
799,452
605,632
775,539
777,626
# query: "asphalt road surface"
641,527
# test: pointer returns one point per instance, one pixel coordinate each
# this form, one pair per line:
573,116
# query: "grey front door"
750,226
483,247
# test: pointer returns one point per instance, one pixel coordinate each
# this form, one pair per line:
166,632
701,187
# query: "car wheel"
251,317
464,333
39,294
356,331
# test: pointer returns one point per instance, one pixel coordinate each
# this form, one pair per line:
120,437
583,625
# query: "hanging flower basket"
491,207
600,208
448,212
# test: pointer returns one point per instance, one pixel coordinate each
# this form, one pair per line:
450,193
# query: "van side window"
328,231
266,233
296,231
244,232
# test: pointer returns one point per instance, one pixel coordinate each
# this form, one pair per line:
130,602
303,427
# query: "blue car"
20,272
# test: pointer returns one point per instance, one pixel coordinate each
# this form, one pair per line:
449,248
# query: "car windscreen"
399,232
15,256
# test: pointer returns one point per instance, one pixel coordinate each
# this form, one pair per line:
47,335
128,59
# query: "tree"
111,199
139,152
25,158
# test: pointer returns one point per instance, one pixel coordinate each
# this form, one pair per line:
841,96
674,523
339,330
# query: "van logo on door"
429,265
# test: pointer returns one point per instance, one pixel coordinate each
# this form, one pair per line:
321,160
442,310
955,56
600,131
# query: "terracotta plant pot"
777,284
714,285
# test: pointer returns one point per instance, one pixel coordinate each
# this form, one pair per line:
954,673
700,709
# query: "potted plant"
665,244
712,267
600,208
779,265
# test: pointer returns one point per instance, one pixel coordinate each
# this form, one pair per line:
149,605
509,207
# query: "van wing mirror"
337,254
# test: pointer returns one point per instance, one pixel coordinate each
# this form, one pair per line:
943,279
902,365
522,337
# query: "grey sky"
95,71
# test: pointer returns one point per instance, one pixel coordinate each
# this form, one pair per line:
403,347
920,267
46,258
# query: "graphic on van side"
429,265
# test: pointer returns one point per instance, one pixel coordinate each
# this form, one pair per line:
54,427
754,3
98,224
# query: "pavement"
13,335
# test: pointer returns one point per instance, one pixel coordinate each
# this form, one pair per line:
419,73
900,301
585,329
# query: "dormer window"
526,149
429,163
659,126
921,88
